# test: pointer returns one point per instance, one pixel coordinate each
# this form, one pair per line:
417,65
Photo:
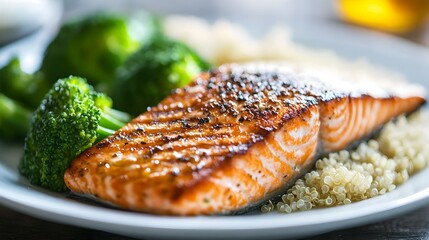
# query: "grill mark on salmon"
233,138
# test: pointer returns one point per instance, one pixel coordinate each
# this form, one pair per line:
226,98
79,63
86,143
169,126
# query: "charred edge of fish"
119,136
167,139
137,132
88,153
293,114
153,150
203,120
104,143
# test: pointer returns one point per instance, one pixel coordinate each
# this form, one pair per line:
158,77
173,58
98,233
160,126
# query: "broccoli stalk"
14,119
71,118
110,121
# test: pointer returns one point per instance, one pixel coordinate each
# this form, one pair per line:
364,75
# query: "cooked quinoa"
373,168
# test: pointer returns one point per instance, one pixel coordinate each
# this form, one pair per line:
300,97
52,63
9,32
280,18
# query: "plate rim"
136,222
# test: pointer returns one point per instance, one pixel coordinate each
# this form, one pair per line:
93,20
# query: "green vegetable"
28,89
14,119
94,46
150,74
70,119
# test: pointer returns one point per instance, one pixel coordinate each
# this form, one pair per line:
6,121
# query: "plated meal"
156,120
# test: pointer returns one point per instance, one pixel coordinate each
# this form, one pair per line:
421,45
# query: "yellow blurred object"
398,16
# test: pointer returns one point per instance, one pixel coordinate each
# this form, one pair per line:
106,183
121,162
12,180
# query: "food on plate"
374,168
20,94
233,138
69,120
96,45
14,119
28,89
153,72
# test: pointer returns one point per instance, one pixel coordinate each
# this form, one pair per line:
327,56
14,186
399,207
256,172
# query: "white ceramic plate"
411,60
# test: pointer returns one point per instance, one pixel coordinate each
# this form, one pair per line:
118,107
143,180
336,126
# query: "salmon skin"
232,138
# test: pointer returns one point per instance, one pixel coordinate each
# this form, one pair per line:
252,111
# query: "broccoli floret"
28,89
153,72
94,46
14,119
70,119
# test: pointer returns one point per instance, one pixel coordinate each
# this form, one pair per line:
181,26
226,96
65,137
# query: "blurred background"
331,22
380,31
395,16
403,18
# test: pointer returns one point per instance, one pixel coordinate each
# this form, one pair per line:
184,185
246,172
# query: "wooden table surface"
14,225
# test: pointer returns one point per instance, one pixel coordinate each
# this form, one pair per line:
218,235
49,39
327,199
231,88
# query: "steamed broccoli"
28,89
150,74
20,94
70,119
14,119
94,46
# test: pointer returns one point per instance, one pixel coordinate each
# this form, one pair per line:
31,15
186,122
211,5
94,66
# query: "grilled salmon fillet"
231,139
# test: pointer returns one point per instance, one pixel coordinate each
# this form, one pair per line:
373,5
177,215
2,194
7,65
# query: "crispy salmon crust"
229,140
